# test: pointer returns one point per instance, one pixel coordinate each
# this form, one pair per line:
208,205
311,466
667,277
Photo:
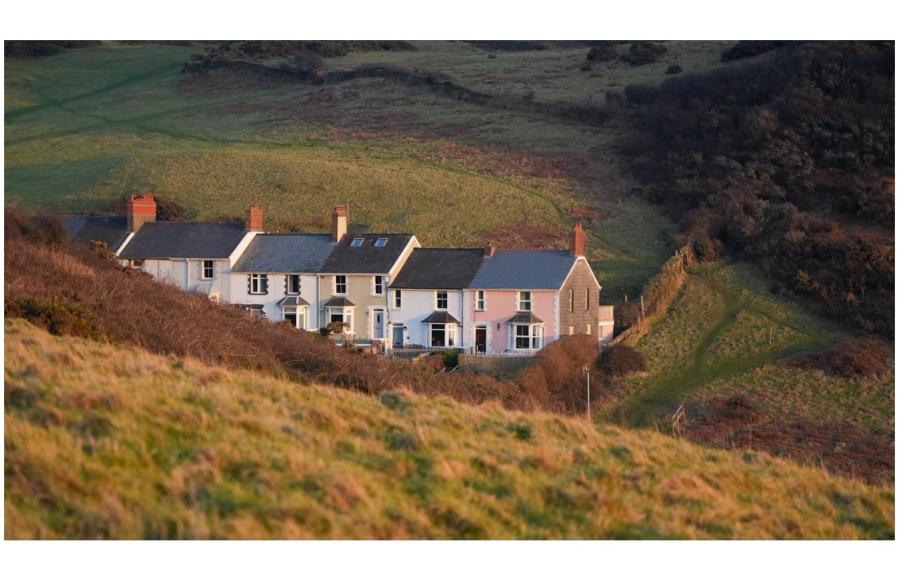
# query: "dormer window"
381,242
524,302
357,242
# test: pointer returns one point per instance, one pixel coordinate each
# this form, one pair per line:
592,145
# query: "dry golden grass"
106,442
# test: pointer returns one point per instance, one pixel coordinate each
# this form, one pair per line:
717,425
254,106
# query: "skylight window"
381,242
357,242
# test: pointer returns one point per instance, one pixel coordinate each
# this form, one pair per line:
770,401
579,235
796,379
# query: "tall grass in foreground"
114,442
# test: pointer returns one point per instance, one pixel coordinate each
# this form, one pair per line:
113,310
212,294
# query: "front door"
378,330
481,339
398,336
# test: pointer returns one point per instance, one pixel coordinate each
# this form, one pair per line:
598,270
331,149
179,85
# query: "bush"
674,69
748,48
619,360
641,53
451,358
603,52
58,317
774,159
858,358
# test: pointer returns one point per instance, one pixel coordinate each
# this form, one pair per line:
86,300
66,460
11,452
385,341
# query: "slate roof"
285,253
439,268
338,301
292,301
84,229
366,259
524,270
184,240
524,318
440,317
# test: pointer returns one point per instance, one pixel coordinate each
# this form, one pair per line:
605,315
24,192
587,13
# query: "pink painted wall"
501,305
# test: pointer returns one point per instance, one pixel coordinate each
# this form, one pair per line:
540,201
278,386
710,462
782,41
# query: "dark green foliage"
57,316
674,69
20,48
641,53
602,52
322,48
771,159
748,48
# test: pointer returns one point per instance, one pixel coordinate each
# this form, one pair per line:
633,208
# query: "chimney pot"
140,209
254,222
489,250
576,245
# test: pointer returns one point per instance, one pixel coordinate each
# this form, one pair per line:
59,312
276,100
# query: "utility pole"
587,371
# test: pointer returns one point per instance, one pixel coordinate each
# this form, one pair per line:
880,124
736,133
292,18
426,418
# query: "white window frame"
212,269
398,299
381,242
376,284
437,300
335,290
287,285
480,300
345,312
450,335
296,311
354,244
257,282
520,301
534,336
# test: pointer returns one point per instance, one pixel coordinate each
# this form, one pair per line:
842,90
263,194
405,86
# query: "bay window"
442,335
527,336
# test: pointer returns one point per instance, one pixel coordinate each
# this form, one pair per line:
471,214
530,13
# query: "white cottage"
426,298
277,277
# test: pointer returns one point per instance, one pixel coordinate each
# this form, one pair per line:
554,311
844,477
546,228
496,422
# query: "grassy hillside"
117,443
84,127
727,338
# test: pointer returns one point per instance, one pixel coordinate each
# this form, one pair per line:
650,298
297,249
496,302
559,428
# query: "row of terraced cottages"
381,288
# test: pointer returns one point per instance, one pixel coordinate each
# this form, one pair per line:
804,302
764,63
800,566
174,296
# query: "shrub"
58,317
858,358
641,53
674,69
603,52
451,358
619,359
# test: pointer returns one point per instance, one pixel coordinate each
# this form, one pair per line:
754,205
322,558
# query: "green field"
107,442
726,334
85,127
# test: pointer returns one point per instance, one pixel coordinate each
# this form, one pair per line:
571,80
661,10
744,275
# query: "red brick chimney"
140,209
254,221
576,245
489,250
339,218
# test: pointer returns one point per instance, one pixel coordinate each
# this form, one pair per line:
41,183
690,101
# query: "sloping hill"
105,442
